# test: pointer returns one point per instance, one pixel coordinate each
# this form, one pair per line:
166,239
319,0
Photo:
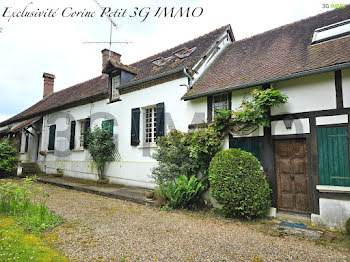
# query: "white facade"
307,94
133,167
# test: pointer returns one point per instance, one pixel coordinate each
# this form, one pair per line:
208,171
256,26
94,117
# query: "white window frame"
116,82
79,145
331,31
222,104
149,125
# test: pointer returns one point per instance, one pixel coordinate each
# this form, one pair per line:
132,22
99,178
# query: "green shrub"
27,205
238,184
173,156
183,193
8,158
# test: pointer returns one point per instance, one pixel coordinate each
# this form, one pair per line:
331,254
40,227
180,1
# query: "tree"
101,148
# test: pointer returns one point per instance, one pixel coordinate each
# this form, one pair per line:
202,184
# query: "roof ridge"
217,29
287,25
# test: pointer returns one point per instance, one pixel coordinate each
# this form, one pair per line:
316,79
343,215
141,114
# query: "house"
137,102
304,152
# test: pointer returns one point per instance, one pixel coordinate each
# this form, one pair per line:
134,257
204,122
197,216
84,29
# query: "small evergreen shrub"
181,194
8,158
238,184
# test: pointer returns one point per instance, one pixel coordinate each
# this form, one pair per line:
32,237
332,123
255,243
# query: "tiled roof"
97,87
145,68
283,51
72,95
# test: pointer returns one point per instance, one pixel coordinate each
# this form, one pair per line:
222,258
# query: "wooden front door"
292,175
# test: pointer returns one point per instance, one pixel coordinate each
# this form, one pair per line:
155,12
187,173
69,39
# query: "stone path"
98,228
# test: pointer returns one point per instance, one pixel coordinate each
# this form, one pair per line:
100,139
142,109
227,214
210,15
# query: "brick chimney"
49,80
114,56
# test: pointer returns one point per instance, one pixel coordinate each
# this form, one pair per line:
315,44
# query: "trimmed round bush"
239,185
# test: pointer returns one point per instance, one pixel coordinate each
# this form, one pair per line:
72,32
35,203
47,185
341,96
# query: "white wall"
307,94
299,126
333,213
135,165
346,87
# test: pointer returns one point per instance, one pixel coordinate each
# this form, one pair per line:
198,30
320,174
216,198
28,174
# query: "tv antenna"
110,42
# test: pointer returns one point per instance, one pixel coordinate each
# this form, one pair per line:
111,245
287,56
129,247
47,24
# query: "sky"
30,46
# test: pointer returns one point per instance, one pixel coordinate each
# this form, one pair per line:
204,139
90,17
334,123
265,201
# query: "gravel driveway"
104,229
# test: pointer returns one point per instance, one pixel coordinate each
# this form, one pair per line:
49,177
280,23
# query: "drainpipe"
189,78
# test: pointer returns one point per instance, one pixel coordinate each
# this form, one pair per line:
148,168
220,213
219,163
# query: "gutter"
141,81
271,80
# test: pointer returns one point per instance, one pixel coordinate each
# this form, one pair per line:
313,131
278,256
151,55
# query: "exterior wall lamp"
288,121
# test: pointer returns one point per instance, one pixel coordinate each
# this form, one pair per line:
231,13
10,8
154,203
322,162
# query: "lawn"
18,244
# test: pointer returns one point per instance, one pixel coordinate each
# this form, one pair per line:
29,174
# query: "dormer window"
116,80
331,31
184,52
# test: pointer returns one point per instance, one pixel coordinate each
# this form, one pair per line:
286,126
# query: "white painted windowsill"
333,189
152,145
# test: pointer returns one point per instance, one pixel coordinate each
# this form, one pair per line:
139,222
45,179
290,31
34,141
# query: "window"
220,102
161,61
83,127
150,125
115,87
184,52
81,124
52,137
331,31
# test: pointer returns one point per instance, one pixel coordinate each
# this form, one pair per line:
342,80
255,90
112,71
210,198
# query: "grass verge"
17,244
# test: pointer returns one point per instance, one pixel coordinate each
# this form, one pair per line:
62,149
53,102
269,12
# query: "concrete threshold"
132,194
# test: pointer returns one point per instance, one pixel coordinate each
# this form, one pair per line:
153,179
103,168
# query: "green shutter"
107,125
333,156
72,135
135,126
52,136
249,144
160,127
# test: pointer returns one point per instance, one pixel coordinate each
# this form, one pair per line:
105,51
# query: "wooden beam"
339,88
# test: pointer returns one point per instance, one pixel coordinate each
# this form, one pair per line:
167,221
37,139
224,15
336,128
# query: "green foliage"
101,148
183,192
172,154
184,154
250,114
27,205
238,184
8,158
17,244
